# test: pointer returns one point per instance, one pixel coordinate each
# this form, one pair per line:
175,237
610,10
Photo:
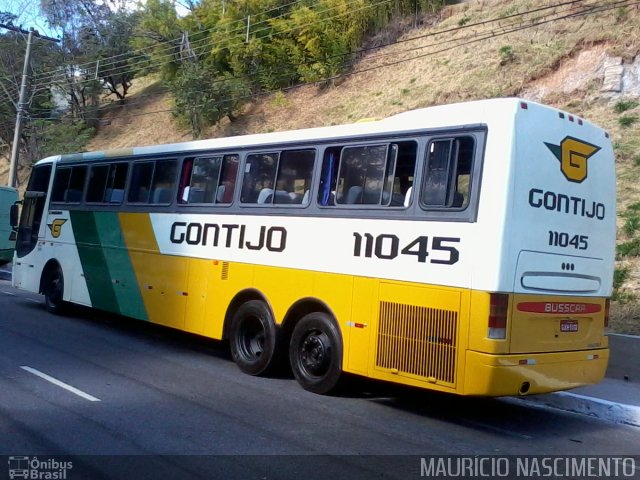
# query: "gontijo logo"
573,155
56,227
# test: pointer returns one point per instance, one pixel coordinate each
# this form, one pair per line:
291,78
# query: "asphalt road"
147,396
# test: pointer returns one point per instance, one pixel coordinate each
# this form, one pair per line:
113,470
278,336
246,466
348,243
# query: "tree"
96,51
204,96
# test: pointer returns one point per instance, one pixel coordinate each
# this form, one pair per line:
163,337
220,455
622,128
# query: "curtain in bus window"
326,180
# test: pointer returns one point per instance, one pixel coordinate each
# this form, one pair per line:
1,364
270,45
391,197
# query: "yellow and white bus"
465,248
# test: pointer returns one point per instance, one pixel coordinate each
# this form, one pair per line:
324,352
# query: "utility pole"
13,165
22,101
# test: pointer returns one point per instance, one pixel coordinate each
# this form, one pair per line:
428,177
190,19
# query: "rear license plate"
568,325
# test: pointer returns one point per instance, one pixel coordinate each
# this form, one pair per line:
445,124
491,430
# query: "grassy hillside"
554,52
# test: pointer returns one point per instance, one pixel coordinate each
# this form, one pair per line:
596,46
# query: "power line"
486,36
171,43
132,69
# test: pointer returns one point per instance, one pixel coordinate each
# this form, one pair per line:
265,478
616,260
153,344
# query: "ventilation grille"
418,340
224,274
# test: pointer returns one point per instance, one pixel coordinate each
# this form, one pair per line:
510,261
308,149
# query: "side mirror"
13,216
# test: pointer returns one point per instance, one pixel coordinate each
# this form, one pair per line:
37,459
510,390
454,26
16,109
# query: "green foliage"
279,100
203,98
506,54
621,14
620,276
631,225
628,249
627,120
259,45
624,105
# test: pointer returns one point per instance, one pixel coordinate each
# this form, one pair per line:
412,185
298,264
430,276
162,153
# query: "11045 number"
386,246
562,239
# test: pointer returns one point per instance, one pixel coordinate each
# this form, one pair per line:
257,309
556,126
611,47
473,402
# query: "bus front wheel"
53,290
254,338
315,353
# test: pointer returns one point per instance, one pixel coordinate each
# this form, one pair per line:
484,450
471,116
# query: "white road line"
60,384
9,293
33,300
623,335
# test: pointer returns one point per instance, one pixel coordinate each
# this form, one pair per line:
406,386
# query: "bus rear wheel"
254,338
315,353
53,290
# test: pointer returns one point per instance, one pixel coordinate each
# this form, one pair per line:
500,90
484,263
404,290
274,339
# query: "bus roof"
474,113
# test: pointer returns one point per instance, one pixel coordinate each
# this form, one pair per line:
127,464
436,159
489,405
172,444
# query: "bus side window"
68,184
376,175
448,173
116,183
152,182
259,176
98,176
278,178
404,174
294,177
140,185
209,180
164,180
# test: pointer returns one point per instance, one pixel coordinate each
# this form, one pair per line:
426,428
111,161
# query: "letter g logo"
56,227
573,155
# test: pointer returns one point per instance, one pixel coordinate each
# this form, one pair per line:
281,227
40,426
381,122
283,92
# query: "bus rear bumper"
527,374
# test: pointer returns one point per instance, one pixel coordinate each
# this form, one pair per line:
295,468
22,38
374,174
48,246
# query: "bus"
465,248
8,197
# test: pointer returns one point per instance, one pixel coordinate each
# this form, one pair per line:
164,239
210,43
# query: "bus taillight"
498,307
607,304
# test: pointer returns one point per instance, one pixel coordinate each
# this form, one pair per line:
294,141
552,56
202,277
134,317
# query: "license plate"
568,325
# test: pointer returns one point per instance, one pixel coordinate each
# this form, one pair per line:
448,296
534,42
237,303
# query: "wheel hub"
316,353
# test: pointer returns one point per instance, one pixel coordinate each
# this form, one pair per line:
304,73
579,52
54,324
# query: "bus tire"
254,338
53,290
315,353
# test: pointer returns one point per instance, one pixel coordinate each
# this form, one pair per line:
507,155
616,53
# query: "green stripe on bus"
94,262
106,264
126,288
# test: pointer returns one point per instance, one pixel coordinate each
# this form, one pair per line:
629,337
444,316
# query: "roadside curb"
595,407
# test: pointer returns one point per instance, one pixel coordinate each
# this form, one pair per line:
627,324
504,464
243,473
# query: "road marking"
502,431
625,335
33,300
60,384
9,293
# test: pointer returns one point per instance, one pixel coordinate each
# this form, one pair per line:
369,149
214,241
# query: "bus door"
32,210
30,220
